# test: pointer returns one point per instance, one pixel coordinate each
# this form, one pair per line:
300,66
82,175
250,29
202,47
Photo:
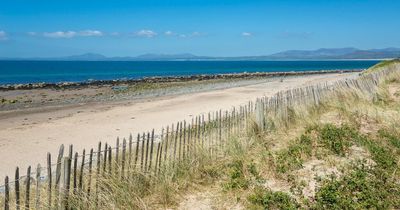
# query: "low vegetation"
340,154
381,65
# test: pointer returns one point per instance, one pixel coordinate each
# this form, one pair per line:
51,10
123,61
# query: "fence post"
203,131
147,151
166,147
90,172
17,191
157,156
151,148
175,142
123,158
137,150
117,153
28,188
141,152
67,176
189,136
184,140
109,160
130,155
75,172
161,148
58,174
6,194
98,165
105,158
49,178
38,186
81,174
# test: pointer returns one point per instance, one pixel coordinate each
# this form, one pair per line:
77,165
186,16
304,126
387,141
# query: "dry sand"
27,136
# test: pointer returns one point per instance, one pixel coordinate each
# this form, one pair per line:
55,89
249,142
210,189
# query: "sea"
24,72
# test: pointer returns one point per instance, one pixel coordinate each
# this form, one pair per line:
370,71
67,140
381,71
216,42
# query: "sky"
51,28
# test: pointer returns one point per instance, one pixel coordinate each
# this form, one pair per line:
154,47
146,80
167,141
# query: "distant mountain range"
320,54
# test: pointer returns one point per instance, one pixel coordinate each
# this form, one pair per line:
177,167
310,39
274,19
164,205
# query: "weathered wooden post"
105,158
161,150
58,175
166,147
81,171
142,152
123,158
28,188
180,142
157,156
151,149
6,194
184,140
98,166
49,179
17,190
75,173
175,142
67,181
38,168
117,153
147,151
137,150
259,115
90,172
130,154
109,160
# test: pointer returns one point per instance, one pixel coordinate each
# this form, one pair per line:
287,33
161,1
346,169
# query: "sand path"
25,138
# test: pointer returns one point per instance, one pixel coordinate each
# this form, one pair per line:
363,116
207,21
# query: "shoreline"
26,136
53,95
156,79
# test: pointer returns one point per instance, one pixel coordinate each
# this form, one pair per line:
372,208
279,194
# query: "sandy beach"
27,134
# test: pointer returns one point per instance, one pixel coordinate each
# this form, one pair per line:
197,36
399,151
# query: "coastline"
27,135
22,97
244,75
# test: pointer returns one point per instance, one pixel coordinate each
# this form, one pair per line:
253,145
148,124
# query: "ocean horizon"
25,72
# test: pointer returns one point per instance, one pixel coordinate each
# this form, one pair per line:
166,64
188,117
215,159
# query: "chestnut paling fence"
71,173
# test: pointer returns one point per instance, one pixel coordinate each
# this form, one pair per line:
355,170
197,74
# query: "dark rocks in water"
121,84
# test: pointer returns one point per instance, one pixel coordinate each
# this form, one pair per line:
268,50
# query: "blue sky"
46,28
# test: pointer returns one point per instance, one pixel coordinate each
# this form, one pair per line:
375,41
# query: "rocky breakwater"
245,75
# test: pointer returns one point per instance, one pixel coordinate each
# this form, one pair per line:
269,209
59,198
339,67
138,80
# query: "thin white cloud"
146,33
71,34
194,34
90,33
247,34
60,34
32,33
115,34
169,33
3,36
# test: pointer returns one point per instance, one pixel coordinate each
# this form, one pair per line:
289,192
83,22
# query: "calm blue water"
18,72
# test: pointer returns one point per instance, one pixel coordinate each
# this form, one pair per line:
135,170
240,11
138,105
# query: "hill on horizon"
319,54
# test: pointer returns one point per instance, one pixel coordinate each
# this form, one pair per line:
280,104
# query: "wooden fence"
72,172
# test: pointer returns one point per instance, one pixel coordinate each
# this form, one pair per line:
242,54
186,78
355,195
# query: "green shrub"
237,179
337,139
393,138
362,188
272,200
384,157
293,158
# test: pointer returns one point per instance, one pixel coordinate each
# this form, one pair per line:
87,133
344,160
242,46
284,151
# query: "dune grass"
342,153
381,65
